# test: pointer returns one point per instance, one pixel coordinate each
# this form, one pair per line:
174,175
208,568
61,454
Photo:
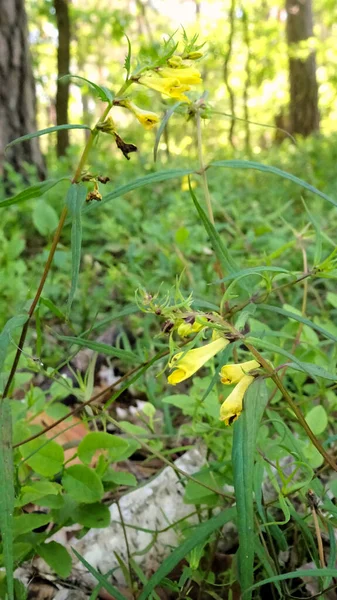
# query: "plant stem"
203,169
49,261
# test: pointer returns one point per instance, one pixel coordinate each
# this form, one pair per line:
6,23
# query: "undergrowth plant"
255,353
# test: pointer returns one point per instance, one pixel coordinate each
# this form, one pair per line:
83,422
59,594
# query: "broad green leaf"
99,440
243,459
82,484
46,457
199,534
45,218
7,491
197,494
332,299
94,515
57,557
34,191
186,403
28,522
247,164
102,92
102,348
120,477
36,490
29,136
75,200
317,419
111,589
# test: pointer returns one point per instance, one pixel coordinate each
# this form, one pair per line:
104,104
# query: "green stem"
56,239
203,169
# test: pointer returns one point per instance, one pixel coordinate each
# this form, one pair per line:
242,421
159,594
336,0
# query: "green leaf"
111,589
98,440
127,62
247,164
7,491
332,299
102,92
120,477
45,458
138,183
28,522
52,307
82,484
29,136
36,490
251,271
94,515
197,494
6,335
296,574
297,317
222,253
200,533
57,557
45,218
317,419
101,348
75,200
34,191
243,458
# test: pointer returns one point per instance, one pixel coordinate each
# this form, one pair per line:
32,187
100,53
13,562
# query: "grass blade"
111,589
297,574
7,492
75,199
200,533
243,457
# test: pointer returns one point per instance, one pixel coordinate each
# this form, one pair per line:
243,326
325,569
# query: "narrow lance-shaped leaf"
247,164
222,253
75,199
162,126
34,191
35,134
102,92
243,458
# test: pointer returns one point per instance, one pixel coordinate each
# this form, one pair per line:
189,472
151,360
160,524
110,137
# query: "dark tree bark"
17,91
63,67
304,115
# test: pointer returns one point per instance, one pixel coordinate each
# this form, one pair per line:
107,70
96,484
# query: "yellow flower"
231,408
186,75
170,86
234,373
147,118
186,328
187,363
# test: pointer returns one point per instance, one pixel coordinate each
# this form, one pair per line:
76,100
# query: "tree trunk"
63,67
17,91
304,115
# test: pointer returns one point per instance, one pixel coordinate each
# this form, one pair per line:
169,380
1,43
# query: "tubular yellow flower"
187,363
234,373
186,75
170,86
147,118
231,408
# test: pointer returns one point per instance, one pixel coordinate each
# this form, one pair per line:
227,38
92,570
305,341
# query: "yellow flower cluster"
185,364
172,81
